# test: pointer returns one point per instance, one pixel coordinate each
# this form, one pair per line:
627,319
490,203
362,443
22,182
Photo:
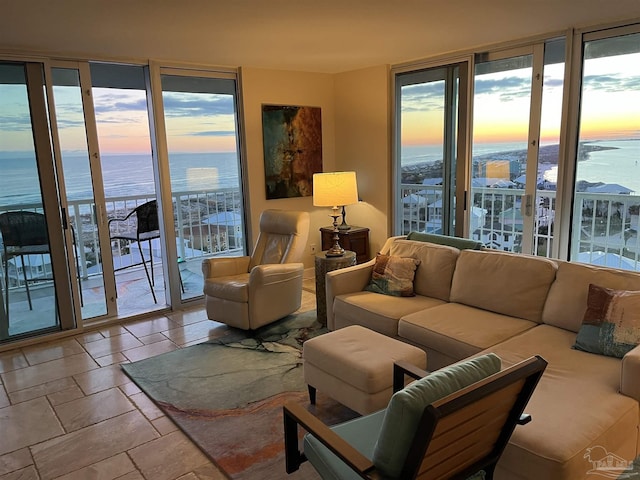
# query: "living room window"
429,131
606,190
547,173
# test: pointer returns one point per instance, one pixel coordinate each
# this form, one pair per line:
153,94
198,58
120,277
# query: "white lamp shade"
334,189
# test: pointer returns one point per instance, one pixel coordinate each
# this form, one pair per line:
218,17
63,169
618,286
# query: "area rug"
227,395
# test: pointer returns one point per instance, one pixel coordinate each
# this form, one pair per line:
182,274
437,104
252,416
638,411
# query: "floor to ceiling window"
104,231
429,129
517,107
200,123
555,148
607,170
35,293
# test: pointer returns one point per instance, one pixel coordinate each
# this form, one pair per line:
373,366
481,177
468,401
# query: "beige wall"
355,136
285,88
362,145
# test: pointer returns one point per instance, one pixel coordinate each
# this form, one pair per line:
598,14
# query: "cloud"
610,83
429,96
212,133
506,88
423,96
15,123
196,105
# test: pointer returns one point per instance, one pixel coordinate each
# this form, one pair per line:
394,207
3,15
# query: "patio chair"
139,225
459,434
249,292
25,233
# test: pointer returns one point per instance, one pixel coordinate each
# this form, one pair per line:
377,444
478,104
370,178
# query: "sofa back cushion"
437,263
506,283
567,300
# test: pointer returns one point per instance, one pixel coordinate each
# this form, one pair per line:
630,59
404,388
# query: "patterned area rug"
227,395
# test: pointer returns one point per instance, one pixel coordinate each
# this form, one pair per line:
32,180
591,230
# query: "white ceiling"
306,35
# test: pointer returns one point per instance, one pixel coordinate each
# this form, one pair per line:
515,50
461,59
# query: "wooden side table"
323,265
355,239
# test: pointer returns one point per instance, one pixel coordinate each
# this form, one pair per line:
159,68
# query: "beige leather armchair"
248,292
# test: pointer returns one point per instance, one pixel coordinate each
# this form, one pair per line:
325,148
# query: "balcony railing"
607,233
207,223
210,223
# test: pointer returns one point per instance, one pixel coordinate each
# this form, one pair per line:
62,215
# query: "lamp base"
344,225
336,250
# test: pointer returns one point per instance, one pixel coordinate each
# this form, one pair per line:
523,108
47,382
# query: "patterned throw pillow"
393,275
611,324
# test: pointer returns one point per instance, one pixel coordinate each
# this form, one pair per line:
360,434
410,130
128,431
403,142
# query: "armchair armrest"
273,273
294,415
402,369
224,266
630,374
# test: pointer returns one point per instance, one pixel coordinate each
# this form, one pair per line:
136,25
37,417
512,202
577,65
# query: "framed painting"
292,139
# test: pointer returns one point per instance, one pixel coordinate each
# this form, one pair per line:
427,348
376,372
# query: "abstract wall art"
292,138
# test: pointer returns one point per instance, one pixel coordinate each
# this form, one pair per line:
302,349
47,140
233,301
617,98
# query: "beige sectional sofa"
467,302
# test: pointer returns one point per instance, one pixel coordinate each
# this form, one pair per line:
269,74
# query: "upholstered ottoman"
354,365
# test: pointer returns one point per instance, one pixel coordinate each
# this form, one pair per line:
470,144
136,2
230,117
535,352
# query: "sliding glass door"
607,180
200,123
517,108
36,288
429,130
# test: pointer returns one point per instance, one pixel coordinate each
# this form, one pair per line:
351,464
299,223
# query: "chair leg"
312,394
6,284
153,279
292,456
26,283
146,270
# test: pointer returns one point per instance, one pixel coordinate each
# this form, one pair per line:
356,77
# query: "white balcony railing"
605,228
207,223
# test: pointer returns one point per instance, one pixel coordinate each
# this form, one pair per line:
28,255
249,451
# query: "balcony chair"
25,233
451,424
139,225
248,292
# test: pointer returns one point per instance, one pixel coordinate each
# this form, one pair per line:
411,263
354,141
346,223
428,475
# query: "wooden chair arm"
294,415
402,369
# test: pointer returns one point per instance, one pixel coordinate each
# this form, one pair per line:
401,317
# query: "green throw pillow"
611,324
393,275
406,406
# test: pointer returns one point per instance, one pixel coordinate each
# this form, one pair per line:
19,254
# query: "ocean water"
619,165
123,175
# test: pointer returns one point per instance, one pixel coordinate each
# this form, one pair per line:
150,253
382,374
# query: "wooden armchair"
460,435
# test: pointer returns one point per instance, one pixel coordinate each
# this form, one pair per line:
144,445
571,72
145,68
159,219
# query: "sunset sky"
205,122
501,104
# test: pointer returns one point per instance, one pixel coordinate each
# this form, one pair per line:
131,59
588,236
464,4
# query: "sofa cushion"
377,312
575,406
437,264
507,283
407,405
611,324
567,299
459,331
393,275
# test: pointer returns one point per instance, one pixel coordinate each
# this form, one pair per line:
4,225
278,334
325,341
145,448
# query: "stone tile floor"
67,411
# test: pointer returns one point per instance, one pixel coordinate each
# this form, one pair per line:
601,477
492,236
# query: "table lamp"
335,189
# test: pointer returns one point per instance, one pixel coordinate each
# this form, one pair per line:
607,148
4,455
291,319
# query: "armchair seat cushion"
361,433
233,287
